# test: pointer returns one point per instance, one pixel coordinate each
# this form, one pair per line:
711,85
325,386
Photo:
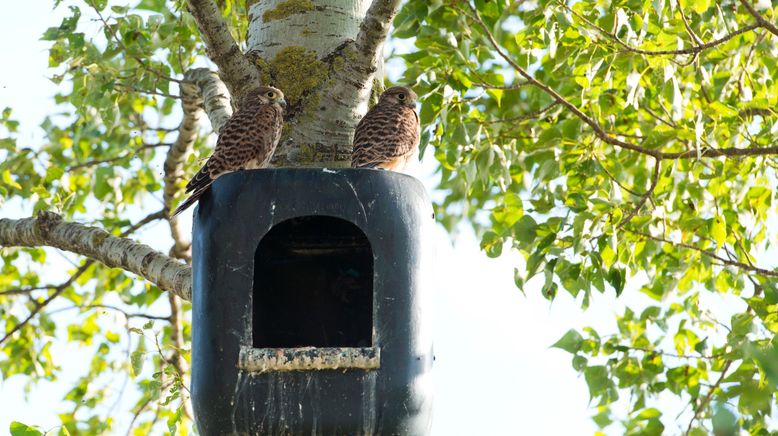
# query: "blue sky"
494,371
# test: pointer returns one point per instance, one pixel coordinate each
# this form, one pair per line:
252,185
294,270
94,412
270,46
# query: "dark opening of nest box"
310,311
313,285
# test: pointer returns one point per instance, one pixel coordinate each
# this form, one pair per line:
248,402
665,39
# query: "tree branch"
177,359
126,314
191,103
374,29
599,131
743,266
215,96
48,229
39,306
58,289
644,197
204,89
207,92
770,27
235,69
708,396
128,155
693,50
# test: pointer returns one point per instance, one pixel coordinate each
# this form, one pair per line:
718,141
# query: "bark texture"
202,89
236,71
48,229
325,56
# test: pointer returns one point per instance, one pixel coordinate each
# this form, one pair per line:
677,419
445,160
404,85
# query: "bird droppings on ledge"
308,358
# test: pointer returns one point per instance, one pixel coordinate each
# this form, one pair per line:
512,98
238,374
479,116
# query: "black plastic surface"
297,243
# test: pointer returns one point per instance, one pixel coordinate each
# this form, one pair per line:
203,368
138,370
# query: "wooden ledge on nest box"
308,358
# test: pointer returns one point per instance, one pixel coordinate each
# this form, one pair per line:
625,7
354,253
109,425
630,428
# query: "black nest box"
310,304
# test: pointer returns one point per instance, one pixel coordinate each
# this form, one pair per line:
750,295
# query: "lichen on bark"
297,72
288,8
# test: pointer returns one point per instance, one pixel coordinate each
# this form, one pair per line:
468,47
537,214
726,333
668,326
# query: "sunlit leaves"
586,214
19,429
98,162
570,342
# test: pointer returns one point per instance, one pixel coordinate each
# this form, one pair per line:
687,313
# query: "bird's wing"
264,136
384,135
247,140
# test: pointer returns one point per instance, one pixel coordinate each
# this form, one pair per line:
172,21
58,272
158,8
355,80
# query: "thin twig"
770,27
706,253
128,155
613,178
527,116
137,59
708,396
644,197
39,306
126,314
59,289
22,291
693,50
598,130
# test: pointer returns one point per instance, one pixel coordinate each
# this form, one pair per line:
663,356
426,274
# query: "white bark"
344,34
48,229
322,30
236,71
201,89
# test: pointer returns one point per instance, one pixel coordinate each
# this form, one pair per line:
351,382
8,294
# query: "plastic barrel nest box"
310,304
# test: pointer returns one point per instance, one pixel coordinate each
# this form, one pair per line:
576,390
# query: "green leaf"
53,173
492,243
616,278
102,187
136,363
570,342
700,6
10,181
724,421
525,229
598,380
719,230
496,95
19,429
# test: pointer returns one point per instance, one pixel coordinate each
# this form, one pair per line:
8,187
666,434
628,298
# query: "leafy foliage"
621,145
100,159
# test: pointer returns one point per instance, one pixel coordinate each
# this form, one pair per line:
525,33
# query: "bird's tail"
189,201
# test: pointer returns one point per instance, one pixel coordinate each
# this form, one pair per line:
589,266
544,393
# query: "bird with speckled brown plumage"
388,136
247,141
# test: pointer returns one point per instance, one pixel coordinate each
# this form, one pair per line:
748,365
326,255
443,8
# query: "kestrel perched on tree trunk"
388,136
247,141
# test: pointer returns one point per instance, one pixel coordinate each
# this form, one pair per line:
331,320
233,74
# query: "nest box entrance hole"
313,285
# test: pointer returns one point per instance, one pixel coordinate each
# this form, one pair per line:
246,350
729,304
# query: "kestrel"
388,136
247,141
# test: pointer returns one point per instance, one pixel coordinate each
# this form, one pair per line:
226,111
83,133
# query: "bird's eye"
401,96
271,94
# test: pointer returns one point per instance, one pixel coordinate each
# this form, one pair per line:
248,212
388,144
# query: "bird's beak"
282,102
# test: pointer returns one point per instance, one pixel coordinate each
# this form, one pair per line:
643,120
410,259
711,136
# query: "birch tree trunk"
304,49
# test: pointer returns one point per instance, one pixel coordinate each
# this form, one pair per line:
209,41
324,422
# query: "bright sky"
494,371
